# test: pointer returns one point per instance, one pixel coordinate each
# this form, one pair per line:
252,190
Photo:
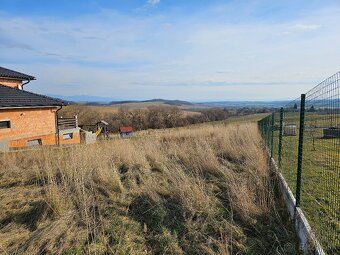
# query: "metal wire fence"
304,139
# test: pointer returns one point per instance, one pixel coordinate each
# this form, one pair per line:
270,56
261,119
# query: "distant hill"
107,101
85,99
269,104
95,100
162,101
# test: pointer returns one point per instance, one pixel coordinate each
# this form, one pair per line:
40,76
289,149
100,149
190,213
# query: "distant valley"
107,101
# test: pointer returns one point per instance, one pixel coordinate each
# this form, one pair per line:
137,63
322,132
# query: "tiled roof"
11,97
125,129
7,73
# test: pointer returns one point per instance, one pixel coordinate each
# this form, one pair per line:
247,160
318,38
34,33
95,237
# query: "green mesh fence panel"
320,165
320,187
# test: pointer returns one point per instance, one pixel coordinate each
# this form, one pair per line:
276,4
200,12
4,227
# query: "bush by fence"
304,139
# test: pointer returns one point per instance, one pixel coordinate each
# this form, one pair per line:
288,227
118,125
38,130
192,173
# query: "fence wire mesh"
313,174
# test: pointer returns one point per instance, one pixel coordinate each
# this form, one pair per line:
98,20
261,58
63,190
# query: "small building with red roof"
126,132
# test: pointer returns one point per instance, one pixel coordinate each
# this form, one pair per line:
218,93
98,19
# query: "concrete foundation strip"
308,241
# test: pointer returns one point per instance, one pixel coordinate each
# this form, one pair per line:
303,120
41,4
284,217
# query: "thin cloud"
301,28
157,53
307,27
21,46
153,2
148,6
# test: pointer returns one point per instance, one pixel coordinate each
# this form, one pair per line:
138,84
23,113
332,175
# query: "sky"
196,50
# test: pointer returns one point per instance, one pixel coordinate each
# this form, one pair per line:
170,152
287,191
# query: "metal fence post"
267,132
300,150
272,135
280,139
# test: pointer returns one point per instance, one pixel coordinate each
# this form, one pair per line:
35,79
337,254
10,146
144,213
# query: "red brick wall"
45,139
74,140
29,124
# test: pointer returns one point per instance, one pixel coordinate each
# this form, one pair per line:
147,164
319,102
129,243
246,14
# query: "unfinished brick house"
28,119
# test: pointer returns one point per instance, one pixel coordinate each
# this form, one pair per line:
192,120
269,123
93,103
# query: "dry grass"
204,190
104,110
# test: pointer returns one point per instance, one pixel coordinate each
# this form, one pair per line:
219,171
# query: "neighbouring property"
29,119
125,132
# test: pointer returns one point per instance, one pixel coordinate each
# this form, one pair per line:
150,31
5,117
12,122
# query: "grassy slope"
253,118
203,190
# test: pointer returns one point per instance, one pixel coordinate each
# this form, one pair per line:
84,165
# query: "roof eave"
17,78
29,107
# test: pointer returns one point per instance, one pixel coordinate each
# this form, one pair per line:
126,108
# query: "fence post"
272,136
280,139
300,150
268,132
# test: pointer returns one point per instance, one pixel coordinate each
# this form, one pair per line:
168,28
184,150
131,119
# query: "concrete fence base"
308,242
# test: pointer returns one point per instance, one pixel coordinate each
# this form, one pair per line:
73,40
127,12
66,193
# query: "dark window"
68,136
34,142
5,124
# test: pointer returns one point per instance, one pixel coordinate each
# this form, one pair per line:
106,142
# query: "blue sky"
191,50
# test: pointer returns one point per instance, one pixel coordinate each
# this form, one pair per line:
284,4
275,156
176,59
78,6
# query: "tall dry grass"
204,190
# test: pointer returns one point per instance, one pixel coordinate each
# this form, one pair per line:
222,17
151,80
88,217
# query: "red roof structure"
125,129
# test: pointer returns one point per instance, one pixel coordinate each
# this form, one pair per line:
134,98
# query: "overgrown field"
203,190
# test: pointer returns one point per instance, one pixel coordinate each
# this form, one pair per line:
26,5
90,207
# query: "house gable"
13,78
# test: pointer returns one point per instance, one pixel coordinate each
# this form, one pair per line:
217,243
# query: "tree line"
152,117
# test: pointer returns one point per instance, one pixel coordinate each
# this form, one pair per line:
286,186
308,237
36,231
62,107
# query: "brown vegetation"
142,116
153,116
203,190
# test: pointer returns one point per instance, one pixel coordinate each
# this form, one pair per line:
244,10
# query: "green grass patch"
320,175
